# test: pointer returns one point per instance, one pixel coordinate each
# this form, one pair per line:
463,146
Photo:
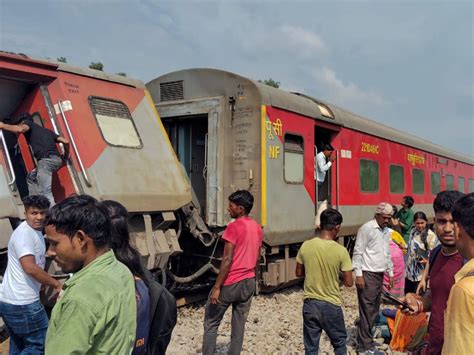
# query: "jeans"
39,180
239,295
26,325
319,316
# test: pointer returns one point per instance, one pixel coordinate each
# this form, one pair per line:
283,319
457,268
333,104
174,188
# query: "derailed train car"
119,148
230,132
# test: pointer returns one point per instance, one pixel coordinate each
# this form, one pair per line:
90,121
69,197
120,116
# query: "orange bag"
409,332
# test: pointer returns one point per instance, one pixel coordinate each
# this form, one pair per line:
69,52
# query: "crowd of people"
112,304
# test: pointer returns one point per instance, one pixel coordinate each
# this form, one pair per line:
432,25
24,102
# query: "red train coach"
119,148
232,133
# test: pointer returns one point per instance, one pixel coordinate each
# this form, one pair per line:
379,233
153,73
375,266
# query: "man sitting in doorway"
43,142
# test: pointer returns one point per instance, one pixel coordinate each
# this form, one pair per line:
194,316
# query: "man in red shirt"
446,264
235,284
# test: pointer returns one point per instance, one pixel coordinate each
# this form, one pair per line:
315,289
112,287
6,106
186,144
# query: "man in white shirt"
322,167
24,316
371,259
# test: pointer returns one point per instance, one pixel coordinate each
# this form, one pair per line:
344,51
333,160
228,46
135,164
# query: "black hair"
445,200
327,146
409,201
81,212
36,201
242,198
463,213
394,210
420,215
120,238
330,219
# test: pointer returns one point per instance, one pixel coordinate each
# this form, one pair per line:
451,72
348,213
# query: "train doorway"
188,136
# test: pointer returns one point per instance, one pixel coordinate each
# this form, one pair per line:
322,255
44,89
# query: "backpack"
163,316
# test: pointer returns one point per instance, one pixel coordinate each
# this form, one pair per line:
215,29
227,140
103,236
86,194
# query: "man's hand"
57,287
360,282
1,125
421,286
215,295
411,299
390,282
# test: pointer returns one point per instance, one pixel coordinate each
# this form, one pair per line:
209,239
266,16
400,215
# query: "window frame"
91,98
449,176
470,184
292,151
463,184
435,173
413,182
390,178
378,176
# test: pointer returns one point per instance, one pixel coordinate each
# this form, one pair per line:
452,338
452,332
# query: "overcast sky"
408,64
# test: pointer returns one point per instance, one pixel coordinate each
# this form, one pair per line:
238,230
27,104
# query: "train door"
188,136
326,195
193,129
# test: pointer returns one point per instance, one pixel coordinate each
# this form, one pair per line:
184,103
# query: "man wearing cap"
371,259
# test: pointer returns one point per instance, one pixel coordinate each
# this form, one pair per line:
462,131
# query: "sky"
407,64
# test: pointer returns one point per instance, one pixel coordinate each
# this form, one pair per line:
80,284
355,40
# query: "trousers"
39,180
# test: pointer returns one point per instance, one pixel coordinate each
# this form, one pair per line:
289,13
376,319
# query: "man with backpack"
459,317
445,261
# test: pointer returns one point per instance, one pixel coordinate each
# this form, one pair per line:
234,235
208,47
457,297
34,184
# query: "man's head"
407,202
36,207
463,216
383,214
444,224
240,203
331,221
327,150
78,230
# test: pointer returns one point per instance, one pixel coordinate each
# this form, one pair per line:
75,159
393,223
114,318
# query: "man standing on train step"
371,259
235,284
320,261
322,167
43,142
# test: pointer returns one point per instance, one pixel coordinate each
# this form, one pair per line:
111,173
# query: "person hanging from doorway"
323,166
43,143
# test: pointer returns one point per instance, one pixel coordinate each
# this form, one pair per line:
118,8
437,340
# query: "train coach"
230,132
119,149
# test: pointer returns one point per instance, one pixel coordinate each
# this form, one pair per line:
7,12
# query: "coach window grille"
471,185
418,181
449,182
397,183
115,122
435,183
461,184
293,159
369,175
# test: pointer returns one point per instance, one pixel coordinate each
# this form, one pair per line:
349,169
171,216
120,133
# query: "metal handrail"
76,151
8,159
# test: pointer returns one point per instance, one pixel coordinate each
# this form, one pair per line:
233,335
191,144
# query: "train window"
397,184
449,182
418,181
435,183
471,185
369,175
293,159
461,184
115,122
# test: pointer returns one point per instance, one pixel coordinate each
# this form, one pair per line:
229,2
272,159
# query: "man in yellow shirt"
459,315
320,261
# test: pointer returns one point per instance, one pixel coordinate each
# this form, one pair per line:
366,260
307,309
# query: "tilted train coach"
234,133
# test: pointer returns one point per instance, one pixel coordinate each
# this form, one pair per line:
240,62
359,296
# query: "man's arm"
31,268
322,165
65,143
388,259
300,271
15,128
223,271
347,278
359,248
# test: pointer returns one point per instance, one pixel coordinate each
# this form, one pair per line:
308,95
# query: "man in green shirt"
96,309
320,261
405,217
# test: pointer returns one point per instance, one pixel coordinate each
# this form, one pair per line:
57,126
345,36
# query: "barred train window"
397,183
369,175
435,183
449,182
115,122
461,184
293,159
471,185
418,181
